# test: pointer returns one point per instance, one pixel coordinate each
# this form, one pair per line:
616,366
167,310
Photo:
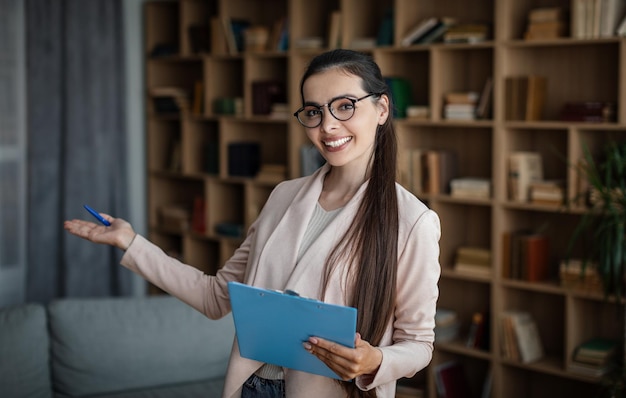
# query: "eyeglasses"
341,108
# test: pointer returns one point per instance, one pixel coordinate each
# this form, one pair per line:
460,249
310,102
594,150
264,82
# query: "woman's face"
344,143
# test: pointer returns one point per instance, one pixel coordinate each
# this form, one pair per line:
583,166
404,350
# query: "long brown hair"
370,244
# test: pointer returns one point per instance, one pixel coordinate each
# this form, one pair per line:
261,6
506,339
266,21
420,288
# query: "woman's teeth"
336,143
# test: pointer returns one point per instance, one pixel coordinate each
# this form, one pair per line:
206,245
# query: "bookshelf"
581,69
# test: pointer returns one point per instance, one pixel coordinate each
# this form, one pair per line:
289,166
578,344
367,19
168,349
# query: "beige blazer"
267,258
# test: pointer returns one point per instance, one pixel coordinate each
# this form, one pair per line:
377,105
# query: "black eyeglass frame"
353,100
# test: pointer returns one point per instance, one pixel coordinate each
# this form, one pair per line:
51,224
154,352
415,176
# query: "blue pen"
97,215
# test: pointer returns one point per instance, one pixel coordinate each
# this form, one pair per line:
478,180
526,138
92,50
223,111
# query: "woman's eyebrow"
331,100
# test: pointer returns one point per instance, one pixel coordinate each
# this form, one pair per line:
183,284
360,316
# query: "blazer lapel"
278,256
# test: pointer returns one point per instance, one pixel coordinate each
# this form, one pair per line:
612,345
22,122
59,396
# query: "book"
535,257
198,98
483,107
621,29
528,339
594,357
526,256
575,274
589,111
384,36
439,167
437,32
418,31
520,337
470,187
334,30
198,215
535,97
547,192
451,380
612,12
478,336
545,14
400,89
545,23
466,33
266,93
219,44
525,167
474,261
229,34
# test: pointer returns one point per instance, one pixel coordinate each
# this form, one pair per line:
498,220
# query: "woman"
348,234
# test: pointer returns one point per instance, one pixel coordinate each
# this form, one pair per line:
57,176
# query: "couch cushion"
24,352
106,345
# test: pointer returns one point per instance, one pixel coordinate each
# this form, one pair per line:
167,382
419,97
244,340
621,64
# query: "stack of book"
520,340
460,105
547,192
589,111
170,100
475,261
470,187
446,325
593,357
545,23
265,93
575,274
466,33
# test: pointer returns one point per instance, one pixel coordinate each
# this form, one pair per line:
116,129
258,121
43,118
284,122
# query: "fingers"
346,362
342,360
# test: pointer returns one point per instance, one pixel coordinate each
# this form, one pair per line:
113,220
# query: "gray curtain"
76,151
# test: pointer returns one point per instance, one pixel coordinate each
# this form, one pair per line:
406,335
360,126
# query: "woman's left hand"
346,362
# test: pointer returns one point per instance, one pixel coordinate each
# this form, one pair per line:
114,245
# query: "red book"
536,257
198,223
451,380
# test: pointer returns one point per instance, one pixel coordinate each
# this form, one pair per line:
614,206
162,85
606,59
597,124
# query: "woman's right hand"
120,234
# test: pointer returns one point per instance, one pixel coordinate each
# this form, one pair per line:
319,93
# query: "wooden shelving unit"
576,70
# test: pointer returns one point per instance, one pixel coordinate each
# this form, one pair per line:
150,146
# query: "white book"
524,168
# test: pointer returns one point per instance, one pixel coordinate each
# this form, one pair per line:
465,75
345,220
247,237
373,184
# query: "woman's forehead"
331,83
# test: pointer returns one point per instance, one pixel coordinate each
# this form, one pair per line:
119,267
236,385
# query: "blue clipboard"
271,326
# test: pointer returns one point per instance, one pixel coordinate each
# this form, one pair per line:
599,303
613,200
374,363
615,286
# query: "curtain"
76,153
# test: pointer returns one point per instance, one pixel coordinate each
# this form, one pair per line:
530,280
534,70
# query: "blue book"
272,325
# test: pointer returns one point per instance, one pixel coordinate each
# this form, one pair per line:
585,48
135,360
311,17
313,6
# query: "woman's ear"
383,109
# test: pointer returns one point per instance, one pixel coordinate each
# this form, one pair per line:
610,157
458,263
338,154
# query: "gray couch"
112,347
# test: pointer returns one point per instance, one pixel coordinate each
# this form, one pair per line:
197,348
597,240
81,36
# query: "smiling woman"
348,234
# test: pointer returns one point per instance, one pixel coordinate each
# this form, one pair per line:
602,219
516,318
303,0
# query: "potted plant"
602,225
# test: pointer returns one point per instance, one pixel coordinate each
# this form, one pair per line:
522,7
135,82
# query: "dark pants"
257,387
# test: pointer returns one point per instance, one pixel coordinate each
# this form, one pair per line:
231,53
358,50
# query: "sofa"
130,347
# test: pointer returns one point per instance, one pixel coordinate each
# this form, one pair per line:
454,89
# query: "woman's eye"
345,106
312,112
